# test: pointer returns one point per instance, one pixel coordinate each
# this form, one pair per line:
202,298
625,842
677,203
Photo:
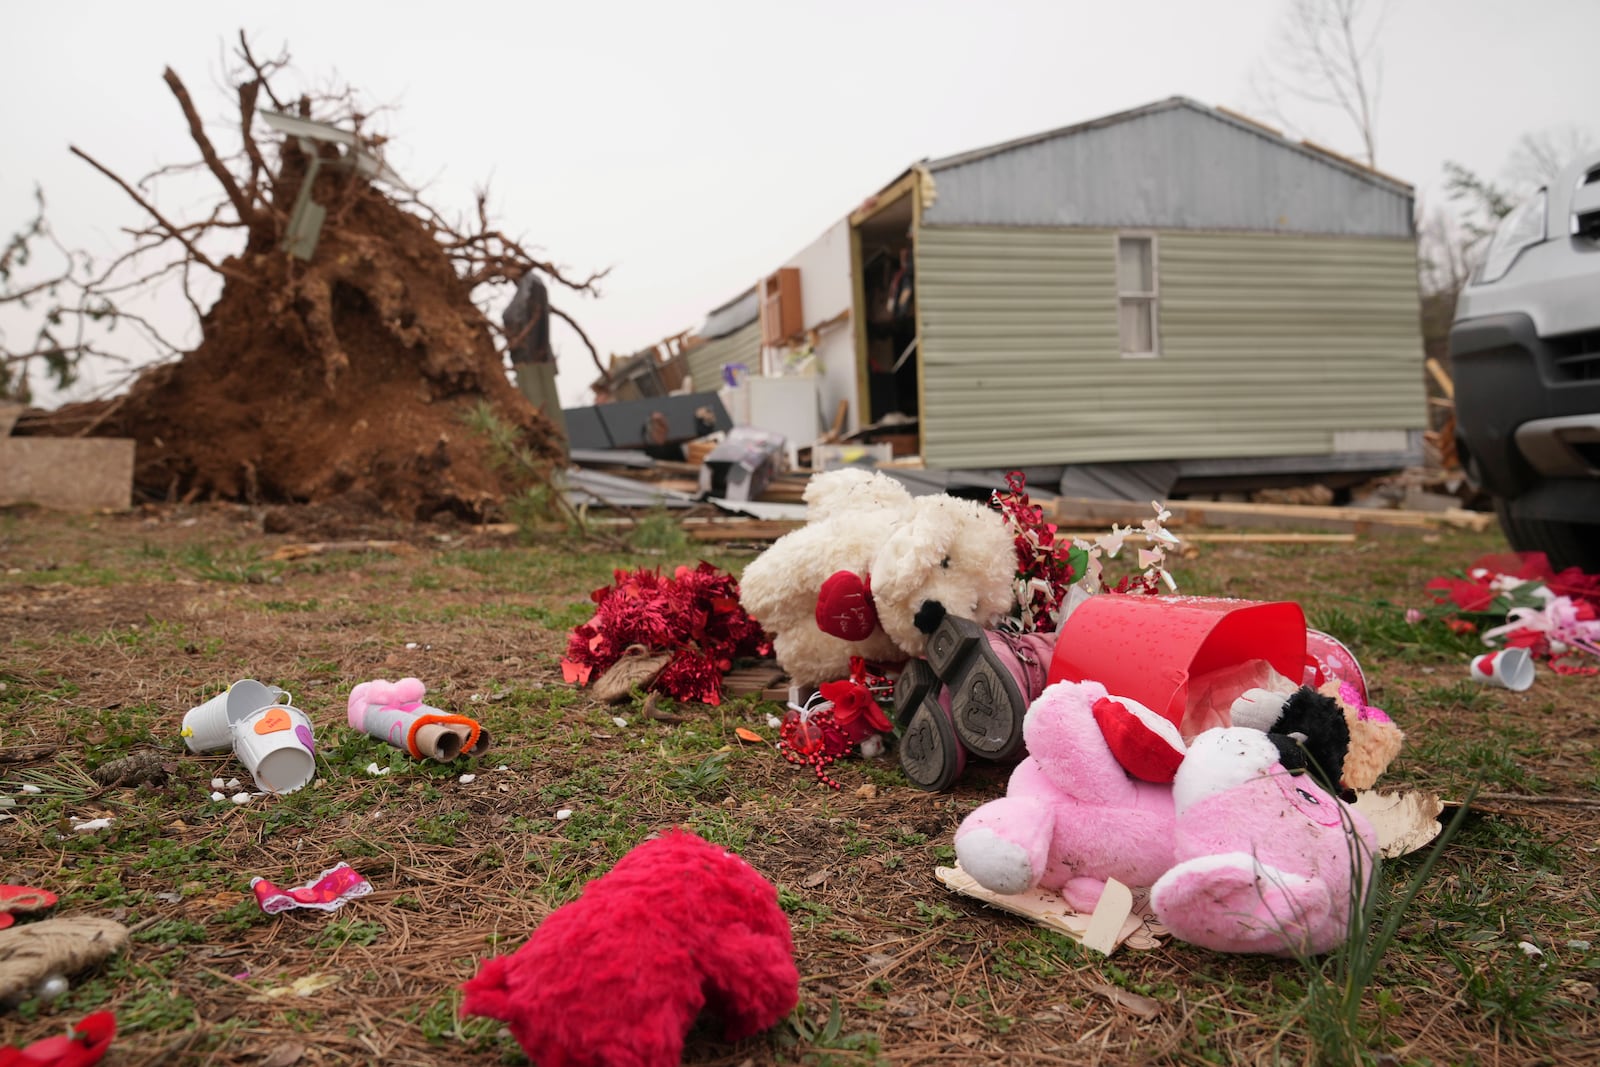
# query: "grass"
118,625
1338,1007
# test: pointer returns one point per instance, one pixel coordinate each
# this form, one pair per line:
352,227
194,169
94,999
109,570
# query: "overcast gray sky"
692,146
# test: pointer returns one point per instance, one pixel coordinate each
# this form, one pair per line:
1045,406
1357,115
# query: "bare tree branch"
564,317
1539,156
208,152
1326,54
247,114
176,232
21,295
263,71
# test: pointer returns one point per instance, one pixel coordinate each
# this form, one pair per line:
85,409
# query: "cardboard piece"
1137,930
742,466
1111,914
70,473
1404,822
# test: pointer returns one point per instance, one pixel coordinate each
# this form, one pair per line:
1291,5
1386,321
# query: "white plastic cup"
276,746
209,727
1510,668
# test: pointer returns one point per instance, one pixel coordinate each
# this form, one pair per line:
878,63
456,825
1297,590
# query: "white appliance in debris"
787,406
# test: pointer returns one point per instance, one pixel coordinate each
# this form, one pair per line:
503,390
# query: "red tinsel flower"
695,614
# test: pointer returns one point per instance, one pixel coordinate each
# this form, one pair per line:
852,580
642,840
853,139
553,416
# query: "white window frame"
1153,295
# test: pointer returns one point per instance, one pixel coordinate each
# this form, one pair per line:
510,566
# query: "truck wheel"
1568,544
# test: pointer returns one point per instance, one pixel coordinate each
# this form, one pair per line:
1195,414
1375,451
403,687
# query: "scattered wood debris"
285,553
1280,516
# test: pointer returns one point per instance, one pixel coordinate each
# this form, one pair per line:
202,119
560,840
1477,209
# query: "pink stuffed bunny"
1072,816
1240,854
1267,861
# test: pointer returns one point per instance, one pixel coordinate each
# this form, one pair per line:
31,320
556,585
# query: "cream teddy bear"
873,571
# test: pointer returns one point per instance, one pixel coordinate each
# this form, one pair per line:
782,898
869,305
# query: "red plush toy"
617,977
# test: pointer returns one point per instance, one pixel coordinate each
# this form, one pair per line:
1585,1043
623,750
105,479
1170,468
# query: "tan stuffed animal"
869,562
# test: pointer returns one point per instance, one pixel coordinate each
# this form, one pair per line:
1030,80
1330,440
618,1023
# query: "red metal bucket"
1149,647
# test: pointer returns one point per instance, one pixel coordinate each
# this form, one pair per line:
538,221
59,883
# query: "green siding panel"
1269,344
705,362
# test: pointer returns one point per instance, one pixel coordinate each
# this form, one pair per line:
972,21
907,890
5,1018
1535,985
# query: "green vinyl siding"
1269,344
705,361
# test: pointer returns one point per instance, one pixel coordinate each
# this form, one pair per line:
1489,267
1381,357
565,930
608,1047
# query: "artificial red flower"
1464,593
852,704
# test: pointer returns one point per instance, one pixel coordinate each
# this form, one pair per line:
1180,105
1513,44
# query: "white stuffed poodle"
870,563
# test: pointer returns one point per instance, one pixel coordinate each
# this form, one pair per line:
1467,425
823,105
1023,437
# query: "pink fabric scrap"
332,889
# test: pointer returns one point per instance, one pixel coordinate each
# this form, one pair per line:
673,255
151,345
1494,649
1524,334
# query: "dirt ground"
115,625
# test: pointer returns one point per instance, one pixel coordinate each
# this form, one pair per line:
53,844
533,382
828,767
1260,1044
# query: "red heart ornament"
845,608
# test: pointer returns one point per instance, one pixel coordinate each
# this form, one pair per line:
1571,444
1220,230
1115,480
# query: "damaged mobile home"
1172,294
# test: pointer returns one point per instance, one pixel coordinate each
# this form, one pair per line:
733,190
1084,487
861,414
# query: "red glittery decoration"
838,717
1045,567
810,737
695,615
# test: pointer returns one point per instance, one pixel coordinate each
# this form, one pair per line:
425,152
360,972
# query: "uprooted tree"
347,368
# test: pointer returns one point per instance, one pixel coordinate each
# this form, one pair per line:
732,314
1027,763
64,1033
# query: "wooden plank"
1442,377
757,679
1271,516
285,553
70,473
839,415
1476,521
740,530
1191,508
1191,537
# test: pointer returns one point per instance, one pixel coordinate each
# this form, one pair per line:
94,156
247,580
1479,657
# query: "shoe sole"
916,681
985,701
930,755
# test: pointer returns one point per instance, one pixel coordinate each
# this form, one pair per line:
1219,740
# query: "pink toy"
619,975
1071,816
1240,854
1265,858
394,712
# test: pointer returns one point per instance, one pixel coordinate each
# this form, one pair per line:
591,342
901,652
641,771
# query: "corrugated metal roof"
734,315
1176,164
1170,103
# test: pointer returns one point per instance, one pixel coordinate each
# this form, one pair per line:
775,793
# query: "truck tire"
1568,544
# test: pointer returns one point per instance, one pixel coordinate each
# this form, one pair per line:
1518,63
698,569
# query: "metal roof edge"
972,156
1238,121
726,304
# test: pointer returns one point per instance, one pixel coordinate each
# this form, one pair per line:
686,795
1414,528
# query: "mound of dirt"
352,373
